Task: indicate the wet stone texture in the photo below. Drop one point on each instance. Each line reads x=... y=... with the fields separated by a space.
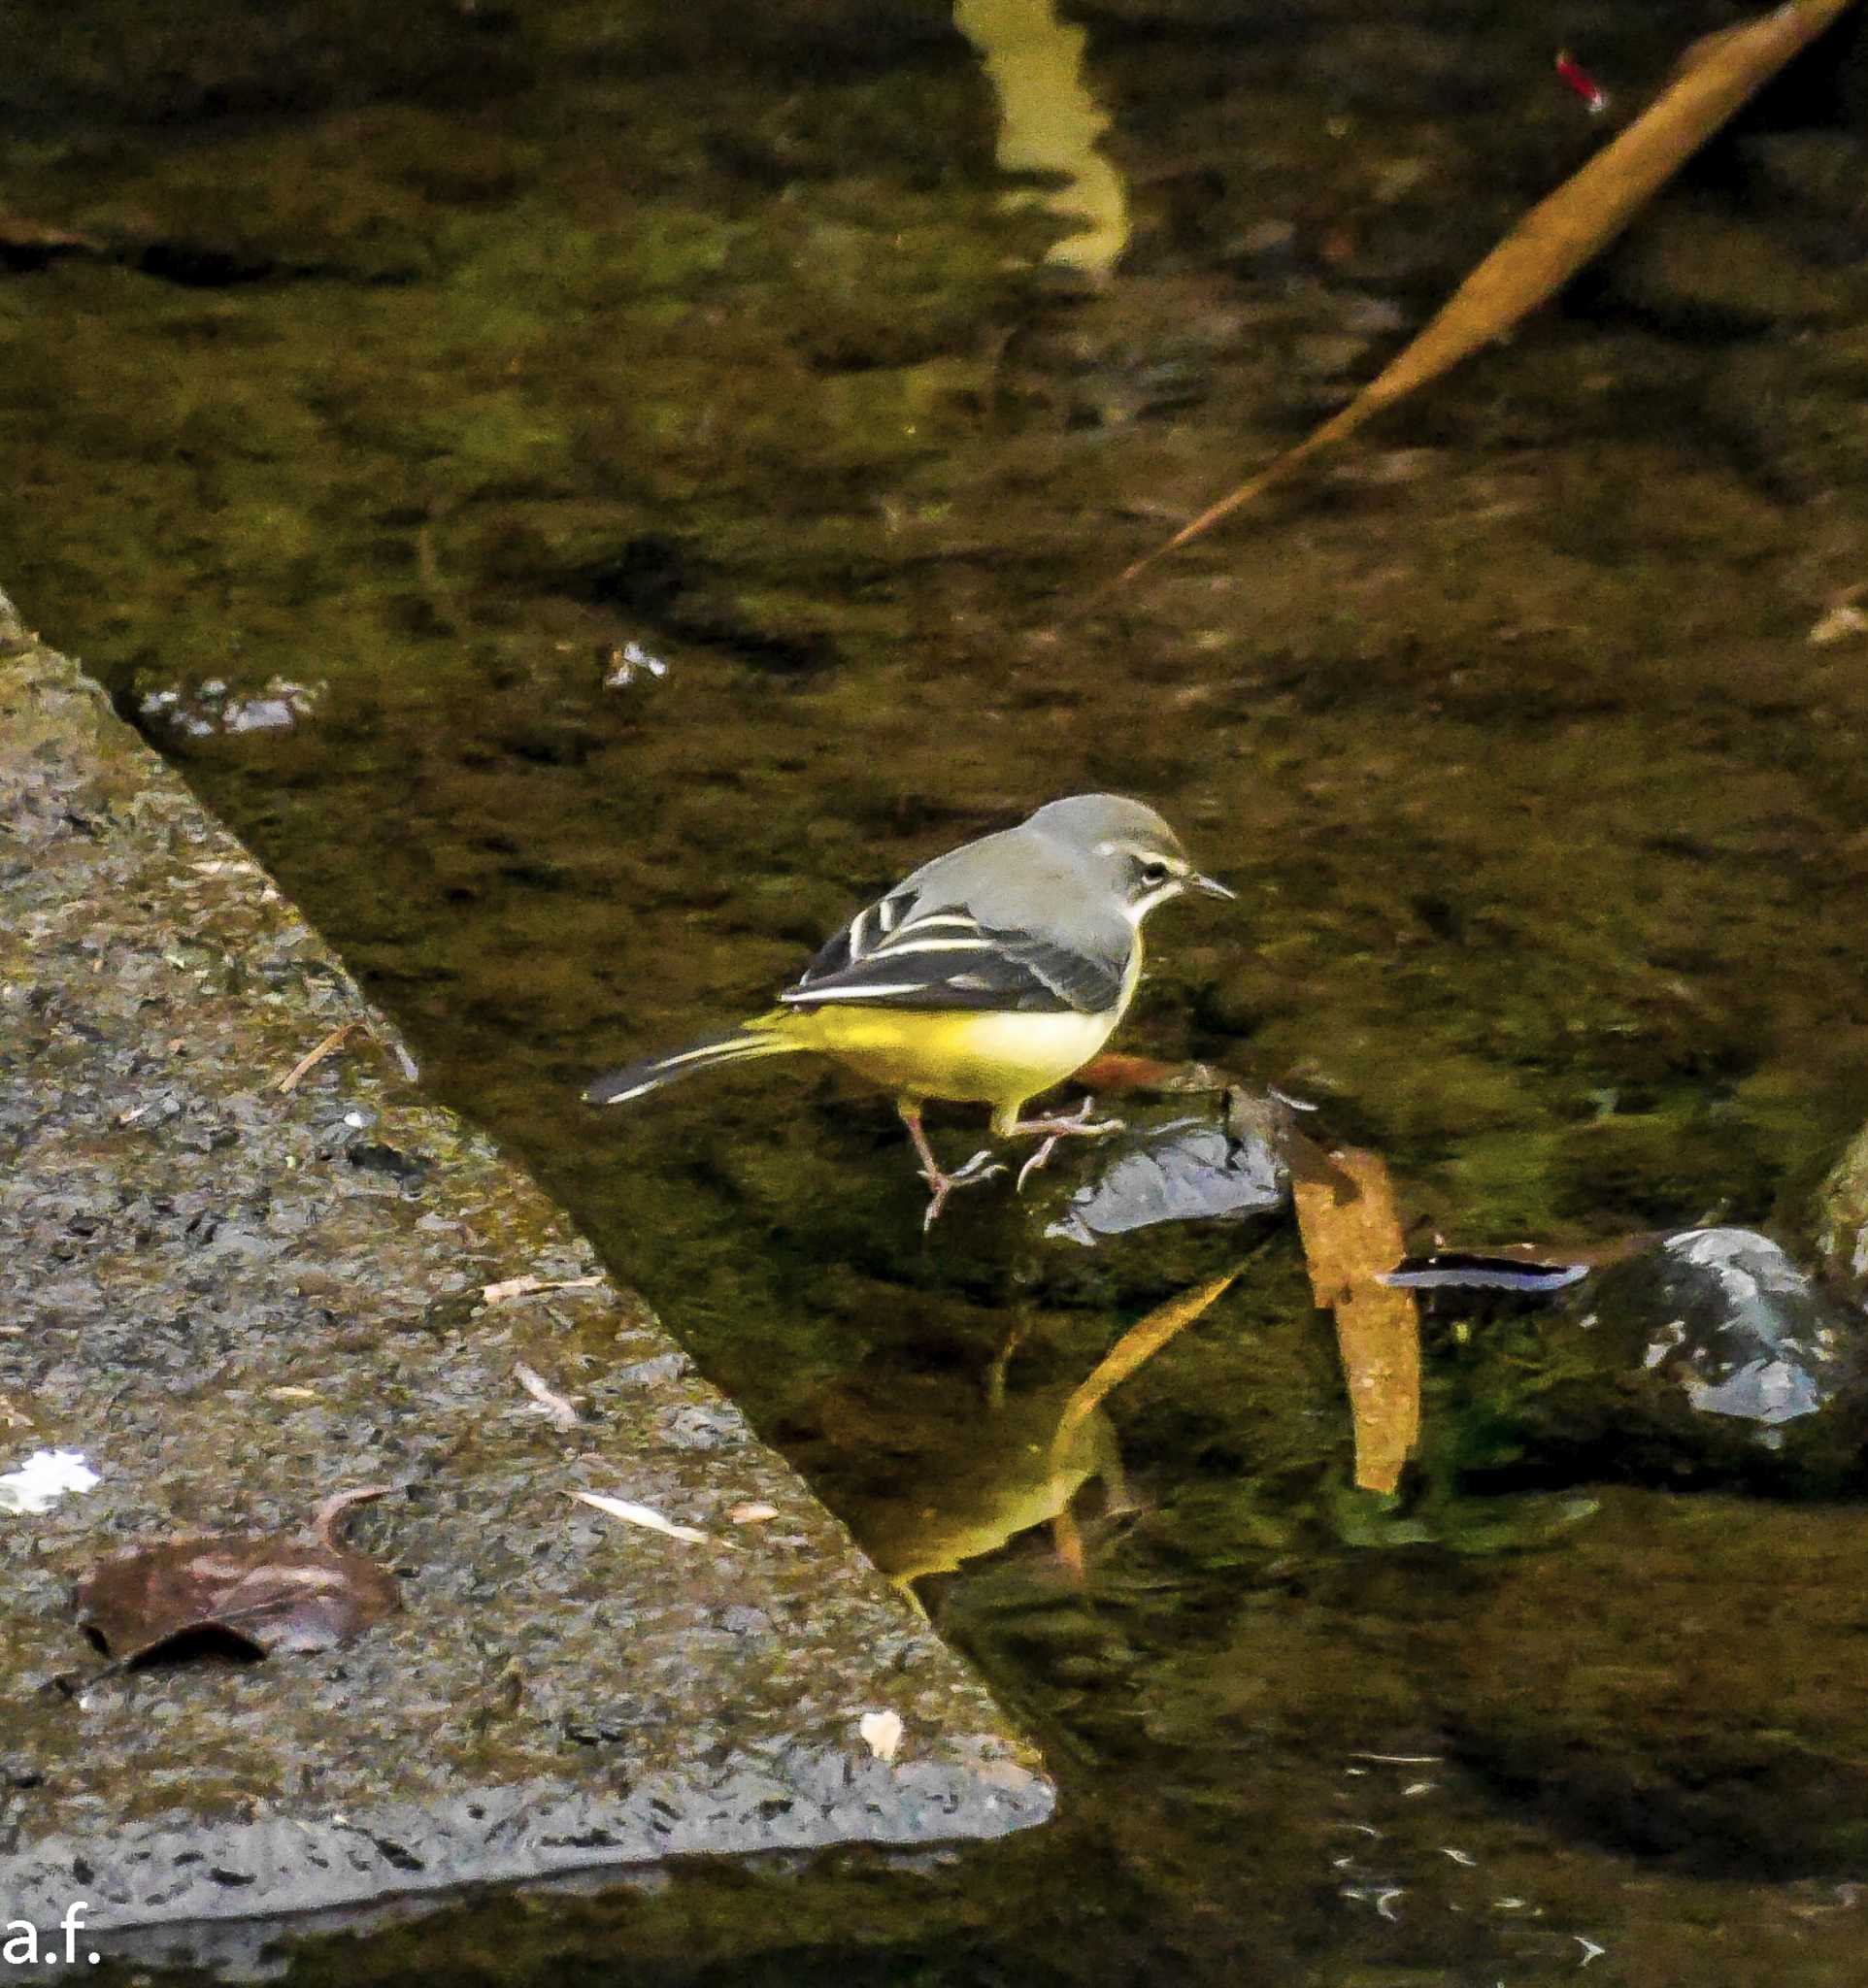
x=235 y=1301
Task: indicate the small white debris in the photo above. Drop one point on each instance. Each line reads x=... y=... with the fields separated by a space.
x=643 y=1515
x=1843 y=621
x=530 y=1287
x=751 y=1514
x=1590 y=1952
x=881 y=1734
x=627 y=663
x=546 y=1400
x=1461 y=1857
x=44 y=1478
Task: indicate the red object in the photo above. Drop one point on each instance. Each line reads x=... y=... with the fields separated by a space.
x=1572 y=73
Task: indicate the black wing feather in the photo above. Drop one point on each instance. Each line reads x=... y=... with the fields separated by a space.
x=899 y=954
x=866 y=930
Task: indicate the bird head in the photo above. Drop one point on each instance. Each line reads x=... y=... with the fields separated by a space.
x=1130 y=845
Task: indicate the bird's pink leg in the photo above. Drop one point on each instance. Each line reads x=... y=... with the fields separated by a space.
x=1076 y=1124
x=981 y=1167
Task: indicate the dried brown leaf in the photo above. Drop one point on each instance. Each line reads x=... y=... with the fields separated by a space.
x=1562 y=233
x=271 y=1591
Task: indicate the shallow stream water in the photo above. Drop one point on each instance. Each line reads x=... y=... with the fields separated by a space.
x=437 y=375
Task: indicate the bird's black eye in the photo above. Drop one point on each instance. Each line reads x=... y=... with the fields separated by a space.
x=1154 y=875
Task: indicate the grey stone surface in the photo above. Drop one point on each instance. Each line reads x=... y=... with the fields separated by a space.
x=235 y=1301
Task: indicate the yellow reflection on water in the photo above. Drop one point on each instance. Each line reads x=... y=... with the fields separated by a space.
x=1050 y=123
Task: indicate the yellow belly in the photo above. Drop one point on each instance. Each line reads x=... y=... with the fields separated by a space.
x=996 y=1059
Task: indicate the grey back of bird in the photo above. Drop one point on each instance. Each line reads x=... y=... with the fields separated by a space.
x=1055 y=888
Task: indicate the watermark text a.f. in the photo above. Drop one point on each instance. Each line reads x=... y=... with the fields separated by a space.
x=21 y=1947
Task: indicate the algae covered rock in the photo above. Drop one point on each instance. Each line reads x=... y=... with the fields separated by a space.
x=1842 y=1215
x=1708 y=1358
x=1734 y=1323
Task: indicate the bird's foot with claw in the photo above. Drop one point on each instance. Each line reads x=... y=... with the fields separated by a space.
x=1076 y=1124
x=981 y=1167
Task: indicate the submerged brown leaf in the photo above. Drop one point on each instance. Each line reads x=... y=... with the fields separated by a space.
x=1115 y=1072
x=1350 y=1239
x=1562 y=233
x=269 y=1591
x=22 y=234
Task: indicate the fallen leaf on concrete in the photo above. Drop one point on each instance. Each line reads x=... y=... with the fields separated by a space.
x=1140 y=1344
x=270 y=1592
x=530 y=1287
x=643 y=1515
x=1350 y=1241
x=1562 y=233
x=881 y=1734
x=561 y=1412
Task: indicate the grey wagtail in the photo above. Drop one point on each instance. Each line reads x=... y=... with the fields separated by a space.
x=989 y=974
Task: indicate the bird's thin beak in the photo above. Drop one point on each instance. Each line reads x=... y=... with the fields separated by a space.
x=1212 y=889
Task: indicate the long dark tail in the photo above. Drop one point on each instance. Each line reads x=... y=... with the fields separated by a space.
x=635 y=1079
